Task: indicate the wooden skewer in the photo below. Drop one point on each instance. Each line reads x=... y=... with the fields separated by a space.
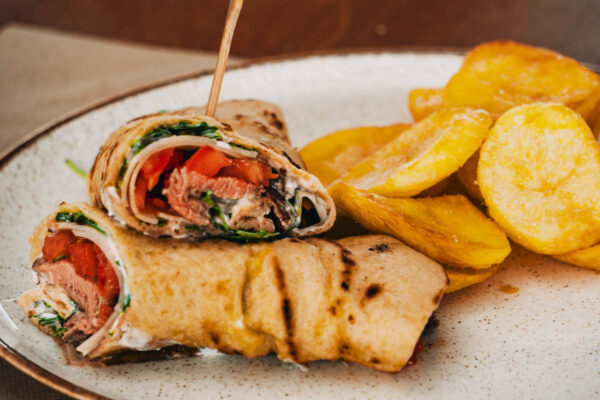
x=235 y=6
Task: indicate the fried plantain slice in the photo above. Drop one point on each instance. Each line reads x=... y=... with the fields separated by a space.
x=448 y=229
x=497 y=76
x=331 y=156
x=424 y=102
x=467 y=175
x=586 y=258
x=423 y=155
x=539 y=173
x=461 y=278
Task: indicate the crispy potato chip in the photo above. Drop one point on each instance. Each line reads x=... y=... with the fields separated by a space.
x=424 y=102
x=448 y=229
x=497 y=76
x=423 y=155
x=331 y=156
x=460 y=278
x=586 y=258
x=539 y=173
x=467 y=175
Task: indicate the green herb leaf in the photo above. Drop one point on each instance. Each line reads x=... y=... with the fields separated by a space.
x=181 y=128
x=61 y=257
x=51 y=319
x=78 y=170
x=74 y=306
x=240 y=146
x=161 y=222
x=122 y=171
x=247 y=235
x=223 y=224
x=126 y=303
x=78 y=218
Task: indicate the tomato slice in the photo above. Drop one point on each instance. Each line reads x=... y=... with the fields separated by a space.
x=251 y=171
x=155 y=165
x=82 y=254
x=141 y=188
x=55 y=245
x=108 y=283
x=207 y=161
x=176 y=160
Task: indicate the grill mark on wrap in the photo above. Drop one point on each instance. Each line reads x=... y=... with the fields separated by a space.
x=286 y=309
x=349 y=264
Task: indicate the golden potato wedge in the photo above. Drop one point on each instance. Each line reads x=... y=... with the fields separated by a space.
x=467 y=175
x=424 y=102
x=331 y=156
x=586 y=258
x=438 y=189
x=423 y=155
x=593 y=121
x=460 y=278
x=497 y=76
x=539 y=173
x=448 y=229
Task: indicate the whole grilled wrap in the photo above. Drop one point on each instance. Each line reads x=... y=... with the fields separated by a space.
x=186 y=175
x=364 y=299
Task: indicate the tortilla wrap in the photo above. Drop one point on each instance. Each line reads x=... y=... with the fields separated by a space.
x=293 y=203
x=364 y=299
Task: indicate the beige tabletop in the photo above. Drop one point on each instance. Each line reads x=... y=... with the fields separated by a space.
x=46 y=74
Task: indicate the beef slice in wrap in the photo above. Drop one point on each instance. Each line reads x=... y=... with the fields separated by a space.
x=364 y=299
x=185 y=175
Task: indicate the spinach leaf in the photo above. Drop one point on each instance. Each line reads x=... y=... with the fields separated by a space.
x=181 y=128
x=78 y=218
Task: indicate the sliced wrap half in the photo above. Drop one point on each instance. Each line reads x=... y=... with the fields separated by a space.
x=364 y=299
x=186 y=175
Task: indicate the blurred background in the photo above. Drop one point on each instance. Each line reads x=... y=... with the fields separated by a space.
x=57 y=56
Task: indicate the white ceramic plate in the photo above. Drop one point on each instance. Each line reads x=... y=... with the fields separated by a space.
x=542 y=342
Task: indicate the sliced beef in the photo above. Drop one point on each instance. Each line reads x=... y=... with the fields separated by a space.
x=84 y=291
x=251 y=207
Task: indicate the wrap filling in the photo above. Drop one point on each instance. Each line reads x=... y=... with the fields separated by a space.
x=78 y=291
x=192 y=184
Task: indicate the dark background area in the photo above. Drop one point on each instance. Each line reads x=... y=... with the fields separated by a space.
x=268 y=27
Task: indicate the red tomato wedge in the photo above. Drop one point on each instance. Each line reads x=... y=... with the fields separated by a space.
x=250 y=171
x=141 y=188
x=83 y=256
x=55 y=245
x=108 y=283
x=155 y=165
x=176 y=160
x=207 y=161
